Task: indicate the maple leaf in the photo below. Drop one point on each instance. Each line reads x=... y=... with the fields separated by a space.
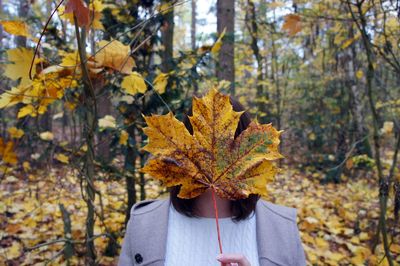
x=11 y=97
x=212 y=158
x=20 y=59
x=89 y=16
x=96 y=8
x=15 y=27
x=160 y=82
x=292 y=24
x=80 y=10
x=134 y=83
x=115 y=55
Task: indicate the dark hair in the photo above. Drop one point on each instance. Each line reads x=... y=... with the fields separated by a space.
x=240 y=208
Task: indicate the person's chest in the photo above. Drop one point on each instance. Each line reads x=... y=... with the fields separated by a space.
x=194 y=241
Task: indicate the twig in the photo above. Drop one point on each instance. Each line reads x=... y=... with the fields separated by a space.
x=348 y=154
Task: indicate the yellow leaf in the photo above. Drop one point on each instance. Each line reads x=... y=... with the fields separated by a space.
x=7 y=152
x=160 y=83
x=84 y=148
x=359 y=74
x=15 y=132
x=70 y=105
x=26 y=165
x=217 y=46
x=47 y=135
x=115 y=55
x=12 y=97
x=62 y=158
x=13 y=252
x=387 y=127
x=107 y=121
x=212 y=158
x=134 y=83
x=70 y=60
x=348 y=42
x=395 y=248
x=123 y=138
x=20 y=60
x=96 y=8
x=15 y=27
x=27 y=110
x=364 y=236
x=321 y=243
x=165 y=8
x=292 y=24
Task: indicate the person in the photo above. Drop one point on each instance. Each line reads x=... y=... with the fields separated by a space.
x=175 y=231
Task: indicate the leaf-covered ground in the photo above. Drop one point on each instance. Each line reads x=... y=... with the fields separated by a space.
x=337 y=221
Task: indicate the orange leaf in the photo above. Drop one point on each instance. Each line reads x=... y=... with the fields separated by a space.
x=80 y=10
x=292 y=24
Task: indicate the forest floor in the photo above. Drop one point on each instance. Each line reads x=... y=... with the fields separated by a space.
x=337 y=221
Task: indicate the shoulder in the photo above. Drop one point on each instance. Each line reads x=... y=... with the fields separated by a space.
x=278 y=211
x=278 y=231
x=147 y=206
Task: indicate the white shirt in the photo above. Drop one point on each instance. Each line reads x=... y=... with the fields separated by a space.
x=194 y=241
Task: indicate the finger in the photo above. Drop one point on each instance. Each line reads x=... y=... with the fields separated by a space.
x=233 y=257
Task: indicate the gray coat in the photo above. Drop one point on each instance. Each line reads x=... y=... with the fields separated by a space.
x=278 y=238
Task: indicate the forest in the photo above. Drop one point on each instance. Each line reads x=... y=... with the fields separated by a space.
x=79 y=80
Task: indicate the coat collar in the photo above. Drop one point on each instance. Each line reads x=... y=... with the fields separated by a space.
x=269 y=248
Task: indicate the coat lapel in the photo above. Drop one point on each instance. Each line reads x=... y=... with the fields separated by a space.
x=273 y=237
x=153 y=232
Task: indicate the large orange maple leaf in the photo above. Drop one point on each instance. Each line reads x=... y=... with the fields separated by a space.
x=212 y=157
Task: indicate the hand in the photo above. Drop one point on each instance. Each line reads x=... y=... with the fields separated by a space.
x=233 y=259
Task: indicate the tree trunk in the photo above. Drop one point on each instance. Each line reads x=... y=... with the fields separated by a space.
x=130 y=166
x=225 y=69
x=356 y=105
x=193 y=25
x=252 y=27
x=167 y=39
x=384 y=181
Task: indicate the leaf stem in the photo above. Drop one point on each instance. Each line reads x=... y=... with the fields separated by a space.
x=216 y=221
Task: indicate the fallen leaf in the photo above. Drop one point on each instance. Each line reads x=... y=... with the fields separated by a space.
x=62 y=158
